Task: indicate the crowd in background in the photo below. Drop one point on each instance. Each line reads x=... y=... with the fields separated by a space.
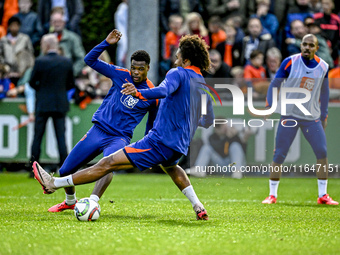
x=21 y=31
x=248 y=39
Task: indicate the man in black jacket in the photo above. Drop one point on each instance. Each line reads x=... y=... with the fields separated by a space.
x=52 y=77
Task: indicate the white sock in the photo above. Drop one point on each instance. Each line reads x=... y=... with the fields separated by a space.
x=273 y=186
x=322 y=187
x=62 y=182
x=191 y=195
x=95 y=198
x=71 y=199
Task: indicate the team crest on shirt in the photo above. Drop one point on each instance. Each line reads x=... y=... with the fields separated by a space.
x=129 y=101
x=307 y=83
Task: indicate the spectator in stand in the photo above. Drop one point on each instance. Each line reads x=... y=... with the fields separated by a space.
x=273 y=62
x=30 y=23
x=237 y=73
x=10 y=8
x=216 y=33
x=223 y=145
x=315 y=6
x=258 y=39
x=73 y=11
x=255 y=74
x=229 y=49
x=194 y=25
x=218 y=69
x=121 y=22
x=337 y=7
x=268 y=20
x=237 y=23
x=324 y=50
x=277 y=7
x=171 y=42
x=180 y=7
x=226 y=9
x=69 y=41
x=5 y=82
x=300 y=11
x=280 y=9
x=91 y=84
x=298 y=30
x=18 y=52
x=330 y=26
x=172 y=37
x=334 y=84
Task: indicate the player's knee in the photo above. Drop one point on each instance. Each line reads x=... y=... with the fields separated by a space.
x=321 y=152
x=279 y=156
x=63 y=172
x=111 y=163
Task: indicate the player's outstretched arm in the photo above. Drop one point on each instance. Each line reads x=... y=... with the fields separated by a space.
x=168 y=86
x=91 y=59
x=113 y=37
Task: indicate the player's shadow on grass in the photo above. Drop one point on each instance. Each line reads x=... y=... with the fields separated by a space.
x=129 y=217
x=306 y=205
x=191 y=223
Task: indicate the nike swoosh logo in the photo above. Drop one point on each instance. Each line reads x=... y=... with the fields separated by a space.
x=308 y=72
x=68 y=182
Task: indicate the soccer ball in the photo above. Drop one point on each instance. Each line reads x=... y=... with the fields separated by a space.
x=87 y=209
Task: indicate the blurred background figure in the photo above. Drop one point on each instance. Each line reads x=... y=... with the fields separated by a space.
x=324 y=50
x=237 y=73
x=298 y=31
x=268 y=20
x=218 y=69
x=230 y=49
x=172 y=37
x=5 y=82
x=10 y=8
x=216 y=32
x=258 y=39
x=121 y=22
x=273 y=62
x=18 y=52
x=52 y=77
x=300 y=11
x=91 y=84
x=194 y=25
x=330 y=26
x=227 y=8
x=69 y=41
x=170 y=45
x=179 y=7
x=73 y=11
x=255 y=75
x=334 y=84
x=315 y=6
x=30 y=22
x=223 y=145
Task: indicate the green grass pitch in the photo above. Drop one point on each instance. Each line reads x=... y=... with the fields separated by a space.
x=149 y=215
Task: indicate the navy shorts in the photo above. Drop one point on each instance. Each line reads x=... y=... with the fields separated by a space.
x=147 y=153
x=312 y=130
x=94 y=142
